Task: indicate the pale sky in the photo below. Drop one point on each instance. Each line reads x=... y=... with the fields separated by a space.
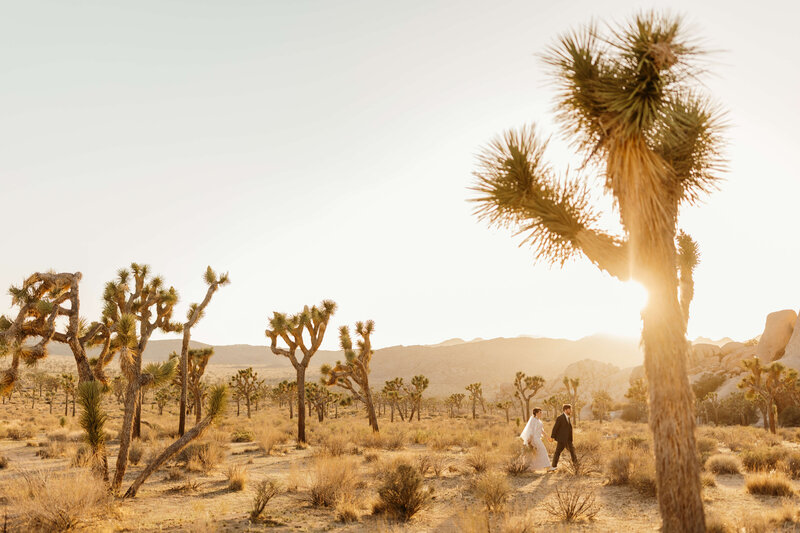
x=324 y=150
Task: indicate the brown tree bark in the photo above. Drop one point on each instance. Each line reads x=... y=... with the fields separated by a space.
x=301 y=402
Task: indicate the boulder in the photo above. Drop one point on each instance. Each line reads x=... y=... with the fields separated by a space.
x=777 y=332
x=791 y=357
x=699 y=353
x=729 y=387
x=732 y=363
x=730 y=347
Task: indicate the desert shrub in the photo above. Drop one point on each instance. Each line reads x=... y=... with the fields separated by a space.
x=723 y=464
x=791 y=464
x=19 y=432
x=717 y=524
x=242 y=435
x=335 y=445
x=572 y=502
x=643 y=478
x=423 y=463
x=587 y=451
x=736 y=409
x=201 y=456
x=762 y=458
x=478 y=460
x=3 y=462
x=82 y=457
x=493 y=490
x=190 y=486
x=48 y=501
x=769 y=484
x=53 y=449
x=402 y=493
x=268 y=438
x=708 y=480
x=330 y=479
x=619 y=467
x=265 y=490
x=636 y=442
x=394 y=441
x=707 y=384
x=517 y=463
x=371 y=457
x=634 y=413
x=237 y=477
x=347 y=509
x=790 y=417
x=439 y=464
x=135 y=452
x=706 y=446
x=173 y=474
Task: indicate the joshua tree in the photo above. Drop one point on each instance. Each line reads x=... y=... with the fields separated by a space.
x=454 y=401
x=525 y=388
x=196 y=361
x=476 y=395
x=572 y=391
x=287 y=391
x=162 y=397
x=353 y=374
x=194 y=314
x=216 y=408
x=627 y=101
x=601 y=404
x=136 y=298
x=68 y=386
x=414 y=393
x=245 y=383
x=392 y=390
x=291 y=329
x=319 y=397
x=764 y=384
x=505 y=406
x=637 y=396
x=93 y=421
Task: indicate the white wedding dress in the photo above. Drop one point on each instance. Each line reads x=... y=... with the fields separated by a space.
x=532 y=435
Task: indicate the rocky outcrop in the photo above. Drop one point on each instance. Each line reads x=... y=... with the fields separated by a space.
x=791 y=357
x=777 y=332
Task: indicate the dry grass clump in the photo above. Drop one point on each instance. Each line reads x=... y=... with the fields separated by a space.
x=723 y=464
x=717 y=524
x=201 y=456
x=643 y=477
x=265 y=490
x=493 y=490
x=330 y=479
x=394 y=440
x=347 y=509
x=762 y=458
x=707 y=446
x=707 y=480
x=439 y=464
x=136 y=452
x=478 y=460
x=53 y=449
x=572 y=502
x=20 y=432
x=268 y=438
x=190 y=486
x=619 y=467
x=402 y=494
x=588 y=453
x=769 y=484
x=237 y=477
x=3 y=462
x=242 y=435
x=334 y=445
x=48 y=501
x=791 y=464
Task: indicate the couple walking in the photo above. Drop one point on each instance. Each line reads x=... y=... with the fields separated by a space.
x=562 y=433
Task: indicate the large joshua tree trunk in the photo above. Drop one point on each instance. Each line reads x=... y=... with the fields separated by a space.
x=373 y=420
x=126 y=433
x=301 y=403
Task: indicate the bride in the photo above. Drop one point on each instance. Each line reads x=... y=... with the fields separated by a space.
x=532 y=436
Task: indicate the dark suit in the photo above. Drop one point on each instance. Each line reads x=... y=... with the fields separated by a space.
x=562 y=433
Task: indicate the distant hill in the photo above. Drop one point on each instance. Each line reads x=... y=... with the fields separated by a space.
x=449 y=366
x=705 y=340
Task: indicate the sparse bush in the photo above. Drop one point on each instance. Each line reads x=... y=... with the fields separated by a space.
x=439 y=463
x=619 y=467
x=201 y=456
x=335 y=445
x=190 y=486
x=46 y=501
x=478 y=460
x=347 y=509
x=643 y=478
x=791 y=464
x=587 y=451
x=723 y=464
x=402 y=494
x=769 y=484
x=572 y=502
x=706 y=446
x=265 y=490
x=423 y=463
x=493 y=490
x=762 y=458
x=331 y=478
x=20 y=432
x=717 y=524
x=395 y=441
x=708 y=480
x=3 y=462
x=242 y=435
x=135 y=452
x=518 y=463
x=268 y=438
x=237 y=477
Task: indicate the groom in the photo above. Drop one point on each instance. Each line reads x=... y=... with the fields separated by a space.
x=562 y=434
